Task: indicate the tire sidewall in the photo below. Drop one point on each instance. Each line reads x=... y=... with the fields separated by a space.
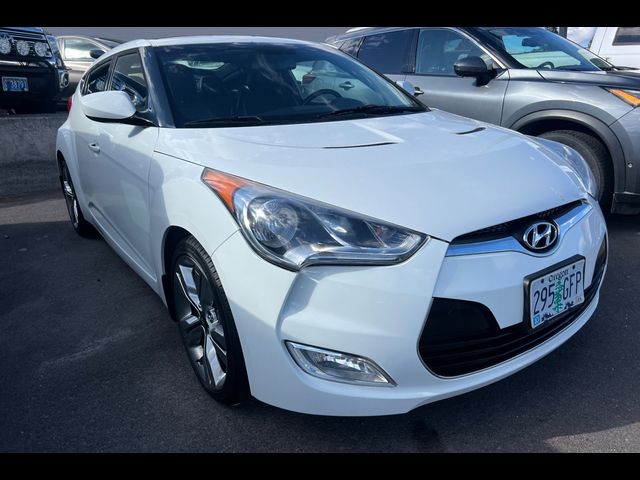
x=235 y=387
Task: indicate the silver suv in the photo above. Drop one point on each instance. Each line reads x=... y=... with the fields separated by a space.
x=524 y=78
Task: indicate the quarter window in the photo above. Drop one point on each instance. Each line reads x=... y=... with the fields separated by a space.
x=78 y=49
x=627 y=36
x=97 y=79
x=439 y=49
x=387 y=52
x=128 y=77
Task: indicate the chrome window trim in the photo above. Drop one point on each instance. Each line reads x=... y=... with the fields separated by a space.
x=511 y=244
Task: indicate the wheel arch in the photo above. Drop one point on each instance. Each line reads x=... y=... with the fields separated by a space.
x=548 y=120
x=172 y=237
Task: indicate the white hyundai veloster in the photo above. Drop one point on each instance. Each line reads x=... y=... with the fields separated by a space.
x=324 y=241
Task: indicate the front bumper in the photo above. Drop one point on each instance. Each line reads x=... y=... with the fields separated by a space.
x=45 y=82
x=379 y=313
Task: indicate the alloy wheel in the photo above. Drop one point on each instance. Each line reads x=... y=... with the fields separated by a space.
x=200 y=323
x=70 y=197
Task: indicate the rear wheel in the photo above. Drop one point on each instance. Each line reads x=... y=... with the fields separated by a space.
x=597 y=157
x=206 y=324
x=80 y=225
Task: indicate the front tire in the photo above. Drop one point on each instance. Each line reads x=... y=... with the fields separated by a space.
x=597 y=157
x=206 y=324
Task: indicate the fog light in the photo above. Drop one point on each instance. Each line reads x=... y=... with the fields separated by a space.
x=337 y=366
x=41 y=49
x=22 y=47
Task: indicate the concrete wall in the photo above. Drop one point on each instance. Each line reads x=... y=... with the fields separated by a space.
x=27 y=153
x=314 y=34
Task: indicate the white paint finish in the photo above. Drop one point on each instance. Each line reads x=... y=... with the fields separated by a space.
x=107 y=105
x=430 y=178
x=501 y=274
x=623 y=55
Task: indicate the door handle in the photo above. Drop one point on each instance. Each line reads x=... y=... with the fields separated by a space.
x=417 y=91
x=94 y=147
x=346 y=85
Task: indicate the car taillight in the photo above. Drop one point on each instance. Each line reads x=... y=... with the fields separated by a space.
x=308 y=78
x=69 y=103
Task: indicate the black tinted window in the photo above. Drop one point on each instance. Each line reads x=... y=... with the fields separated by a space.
x=627 y=36
x=351 y=46
x=129 y=77
x=387 y=52
x=97 y=79
x=222 y=85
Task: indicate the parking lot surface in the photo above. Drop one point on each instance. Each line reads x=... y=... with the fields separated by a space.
x=90 y=361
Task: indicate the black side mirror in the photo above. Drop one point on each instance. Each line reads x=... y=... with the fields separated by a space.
x=476 y=67
x=96 y=53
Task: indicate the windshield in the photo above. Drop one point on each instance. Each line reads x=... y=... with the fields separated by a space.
x=239 y=84
x=539 y=48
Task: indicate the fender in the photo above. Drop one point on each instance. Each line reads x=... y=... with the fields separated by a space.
x=598 y=127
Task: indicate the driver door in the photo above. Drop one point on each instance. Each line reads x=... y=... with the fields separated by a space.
x=437 y=51
x=120 y=169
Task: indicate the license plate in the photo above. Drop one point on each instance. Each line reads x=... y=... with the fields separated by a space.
x=15 y=84
x=553 y=292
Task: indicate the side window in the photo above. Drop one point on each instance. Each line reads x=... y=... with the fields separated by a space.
x=96 y=80
x=627 y=36
x=128 y=77
x=351 y=46
x=438 y=49
x=387 y=52
x=78 y=49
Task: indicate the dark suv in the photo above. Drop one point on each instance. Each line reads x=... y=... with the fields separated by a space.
x=32 y=72
x=524 y=78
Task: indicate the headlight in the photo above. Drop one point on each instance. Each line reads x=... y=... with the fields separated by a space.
x=574 y=165
x=294 y=232
x=41 y=49
x=22 y=47
x=632 y=97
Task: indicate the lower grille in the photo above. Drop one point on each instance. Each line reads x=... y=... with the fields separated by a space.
x=463 y=337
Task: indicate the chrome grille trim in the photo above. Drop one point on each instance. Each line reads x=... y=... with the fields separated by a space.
x=510 y=244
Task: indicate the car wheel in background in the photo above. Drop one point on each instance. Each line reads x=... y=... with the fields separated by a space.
x=80 y=225
x=596 y=155
x=206 y=324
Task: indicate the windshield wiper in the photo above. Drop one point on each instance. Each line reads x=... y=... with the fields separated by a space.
x=372 y=109
x=231 y=121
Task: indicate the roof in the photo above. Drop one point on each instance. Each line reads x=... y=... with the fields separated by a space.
x=193 y=40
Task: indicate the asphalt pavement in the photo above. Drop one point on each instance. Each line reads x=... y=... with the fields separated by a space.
x=91 y=362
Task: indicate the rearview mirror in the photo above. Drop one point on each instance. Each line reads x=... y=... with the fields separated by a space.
x=96 y=53
x=475 y=67
x=108 y=106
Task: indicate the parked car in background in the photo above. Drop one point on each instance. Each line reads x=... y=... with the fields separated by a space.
x=617 y=45
x=318 y=251
x=32 y=72
x=526 y=79
x=79 y=52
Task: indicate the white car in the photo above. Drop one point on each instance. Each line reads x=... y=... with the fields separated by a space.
x=324 y=254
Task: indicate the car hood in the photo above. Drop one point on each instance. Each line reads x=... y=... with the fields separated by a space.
x=616 y=79
x=433 y=172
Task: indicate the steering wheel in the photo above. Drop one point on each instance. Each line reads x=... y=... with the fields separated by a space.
x=319 y=93
x=546 y=65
